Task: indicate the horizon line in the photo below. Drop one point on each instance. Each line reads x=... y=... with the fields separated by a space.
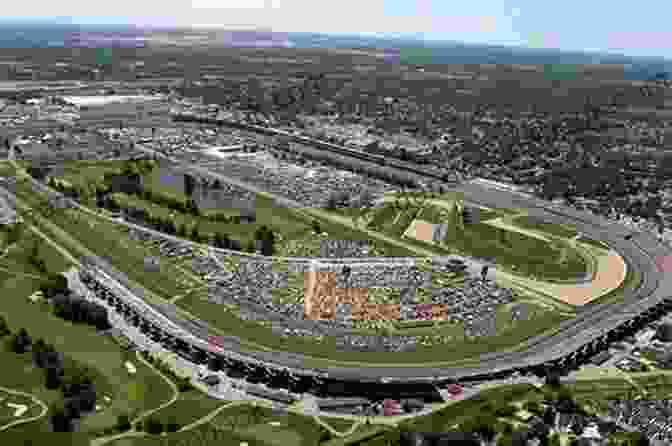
x=408 y=37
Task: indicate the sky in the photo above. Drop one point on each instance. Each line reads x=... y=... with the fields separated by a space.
x=574 y=25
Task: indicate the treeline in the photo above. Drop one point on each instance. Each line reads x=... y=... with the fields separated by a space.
x=78 y=310
x=76 y=382
x=264 y=238
x=168 y=226
x=73 y=308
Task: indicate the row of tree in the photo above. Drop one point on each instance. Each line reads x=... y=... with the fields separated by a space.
x=168 y=226
x=78 y=310
x=265 y=240
x=76 y=383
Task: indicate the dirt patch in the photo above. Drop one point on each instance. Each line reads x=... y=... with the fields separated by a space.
x=610 y=273
x=420 y=230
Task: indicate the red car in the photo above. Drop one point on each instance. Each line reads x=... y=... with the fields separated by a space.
x=392 y=408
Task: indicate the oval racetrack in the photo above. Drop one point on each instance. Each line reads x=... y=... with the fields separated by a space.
x=594 y=320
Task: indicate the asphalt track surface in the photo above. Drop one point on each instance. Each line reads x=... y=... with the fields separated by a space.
x=639 y=252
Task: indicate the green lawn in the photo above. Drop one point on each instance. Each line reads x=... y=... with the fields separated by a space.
x=383 y=216
x=252 y=423
x=190 y=406
x=534 y=224
x=339 y=424
x=203 y=435
x=434 y=214
x=19 y=255
x=511 y=250
x=482 y=405
x=6 y=169
x=82 y=344
x=294 y=229
x=134 y=393
x=295 y=237
x=529 y=256
x=111 y=241
x=405 y=219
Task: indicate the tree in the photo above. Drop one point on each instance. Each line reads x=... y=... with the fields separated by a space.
x=172 y=426
x=184 y=384
x=73 y=407
x=87 y=399
x=549 y=416
x=4 y=328
x=152 y=426
x=195 y=236
x=332 y=202
x=181 y=231
x=123 y=422
x=565 y=401
x=215 y=363
x=56 y=283
x=52 y=378
x=637 y=439
x=59 y=420
x=15 y=233
x=483 y=427
x=38 y=353
x=21 y=342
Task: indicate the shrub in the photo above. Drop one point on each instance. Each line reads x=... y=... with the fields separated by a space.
x=153 y=426
x=123 y=422
x=172 y=427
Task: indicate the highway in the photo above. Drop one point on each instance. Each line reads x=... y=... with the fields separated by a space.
x=594 y=321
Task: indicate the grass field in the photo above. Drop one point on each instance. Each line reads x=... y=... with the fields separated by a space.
x=518 y=252
x=338 y=424
x=203 y=435
x=18 y=257
x=111 y=241
x=86 y=173
x=82 y=344
x=189 y=407
x=294 y=229
x=482 y=405
x=447 y=419
x=253 y=424
x=534 y=224
x=78 y=342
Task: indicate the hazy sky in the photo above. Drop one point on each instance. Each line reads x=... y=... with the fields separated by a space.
x=638 y=29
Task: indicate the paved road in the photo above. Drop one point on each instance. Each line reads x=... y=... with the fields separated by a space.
x=639 y=253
